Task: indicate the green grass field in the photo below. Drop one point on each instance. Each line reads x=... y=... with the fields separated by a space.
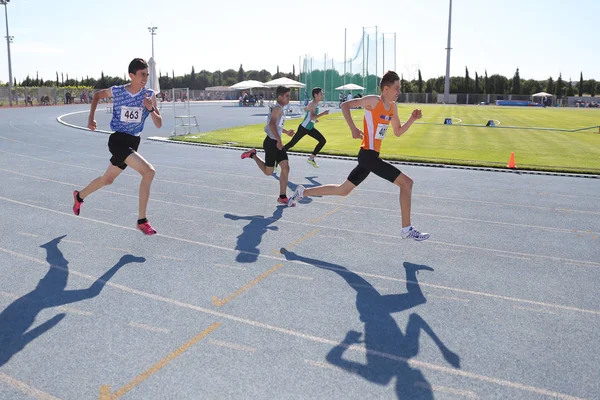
x=550 y=148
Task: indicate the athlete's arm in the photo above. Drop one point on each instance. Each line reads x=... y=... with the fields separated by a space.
x=156 y=117
x=275 y=113
x=101 y=94
x=362 y=102
x=311 y=109
x=399 y=129
x=321 y=114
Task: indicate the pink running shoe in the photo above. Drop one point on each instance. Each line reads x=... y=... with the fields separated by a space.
x=76 y=203
x=283 y=201
x=248 y=153
x=146 y=228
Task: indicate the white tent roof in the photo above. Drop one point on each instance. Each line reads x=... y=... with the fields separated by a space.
x=247 y=85
x=541 y=94
x=152 y=82
x=285 y=82
x=218 y=89
x=350 y=86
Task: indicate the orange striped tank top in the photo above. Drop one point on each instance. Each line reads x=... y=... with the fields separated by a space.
x=375 y=124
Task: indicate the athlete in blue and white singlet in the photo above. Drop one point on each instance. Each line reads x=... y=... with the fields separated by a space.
x=132 y=104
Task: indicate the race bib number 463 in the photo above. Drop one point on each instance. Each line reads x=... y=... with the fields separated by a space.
x=380 y=132
x=131 y=114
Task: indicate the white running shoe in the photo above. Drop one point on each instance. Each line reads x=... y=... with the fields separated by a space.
x=297 y=196
x=414 y=234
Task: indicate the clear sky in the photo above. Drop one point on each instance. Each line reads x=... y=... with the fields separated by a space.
x=84 y=37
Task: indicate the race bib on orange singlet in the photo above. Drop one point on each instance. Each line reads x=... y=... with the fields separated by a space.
x=381 y=131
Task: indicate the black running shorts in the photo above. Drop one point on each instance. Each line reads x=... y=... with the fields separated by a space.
x=121 y=145
x=272 y=153
x=369 y=161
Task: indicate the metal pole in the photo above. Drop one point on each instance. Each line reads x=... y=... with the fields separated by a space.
x=383 y=57
x=345 y=29
x=367 y=63
x=311 y=71
x=447 y=82
x=152 y=30
x=376 y=55
x=394 y=51
x=364 y=65
x=299 y=73
x=332 y=70
x=324 y=76
x=8 y=40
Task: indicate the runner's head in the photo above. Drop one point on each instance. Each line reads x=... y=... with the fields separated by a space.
x=283 y=95
x=317 y=94
x=390 y=86
x=138 y=72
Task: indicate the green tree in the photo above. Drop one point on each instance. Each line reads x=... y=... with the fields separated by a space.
x=550 y=85
x=229 y=77
x=264 y=75
x=486 y=84
x=570 y=91
x=192 y=83
x=253 y=75
x=467 y=83
x=559 y=86
x=498 y=84
x=429 y=86
x=420 y=83
x=516 y=83
x=580 y=86
x=241 y=74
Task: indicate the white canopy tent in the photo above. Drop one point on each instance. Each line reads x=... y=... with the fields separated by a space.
x=350 y=86
x=243 y=85
x=218 y=89
x=152 y=82
x=285 y=82
x=541 y=94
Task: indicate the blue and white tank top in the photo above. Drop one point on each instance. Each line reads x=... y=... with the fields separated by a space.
x=279 y=122
x=129 y=112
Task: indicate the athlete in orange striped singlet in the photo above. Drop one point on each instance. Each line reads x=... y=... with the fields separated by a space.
x=380 y=112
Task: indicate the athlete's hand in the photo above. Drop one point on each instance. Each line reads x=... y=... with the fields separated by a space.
x=326 y=112
x=92 y=125
x=279 y=145
x=316 y=120
x=148 y=103
x=290 y=133
x=357 y=133
x=416 y=114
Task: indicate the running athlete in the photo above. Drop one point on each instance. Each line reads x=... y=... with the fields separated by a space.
x=274 y=150
x=132 y=103
x=380 y=111
x=307 y=126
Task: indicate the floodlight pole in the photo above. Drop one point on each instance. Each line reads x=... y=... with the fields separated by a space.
x=8 y=42
x=152 y=30
x=447 y=81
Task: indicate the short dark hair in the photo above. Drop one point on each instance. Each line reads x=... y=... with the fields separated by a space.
x=281 y=90
x=388 y=79
x=137 y=64
x=316 y=91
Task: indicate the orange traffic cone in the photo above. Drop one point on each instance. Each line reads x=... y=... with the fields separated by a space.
x=511 y=161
